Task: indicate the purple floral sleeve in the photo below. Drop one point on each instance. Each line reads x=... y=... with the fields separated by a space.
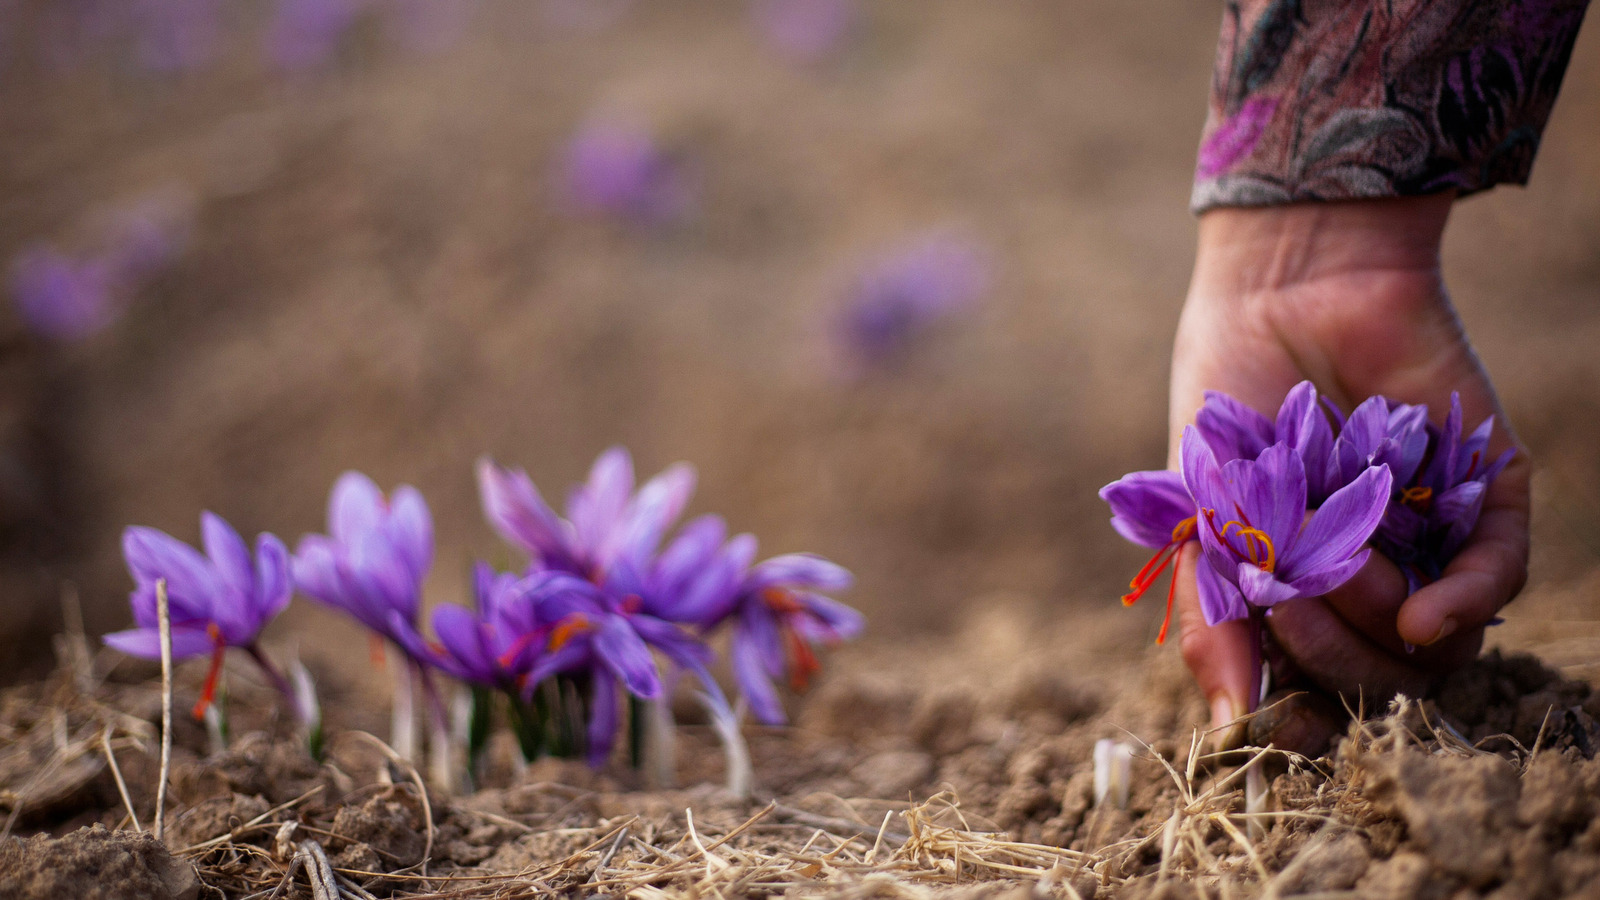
x=1346 y=99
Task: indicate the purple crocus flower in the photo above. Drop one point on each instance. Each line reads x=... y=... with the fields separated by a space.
x=607 y=523
x=220 y=600
x=805 y=31
x=614 y=167
x=1257 y=545
x=372 y=562
x=904 y=290
x=63 y=298
x=781 y=616
x=1436 y=506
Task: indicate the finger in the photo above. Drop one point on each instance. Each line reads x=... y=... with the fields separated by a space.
x=1370 y=603
x=1486 y=574
x=1220 y=656
x=1337 y=657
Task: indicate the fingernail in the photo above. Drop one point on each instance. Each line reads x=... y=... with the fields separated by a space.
x=1446 y=628
x=1222 y=711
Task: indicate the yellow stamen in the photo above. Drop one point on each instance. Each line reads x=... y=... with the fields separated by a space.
x=569 y=628
x=1258 y=545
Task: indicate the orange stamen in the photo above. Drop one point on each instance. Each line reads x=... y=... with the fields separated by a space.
x=1181 y=533
x=1418 y=498
x=208 y=692
x=781 y=601
x=1258 y=545
x=567 y=629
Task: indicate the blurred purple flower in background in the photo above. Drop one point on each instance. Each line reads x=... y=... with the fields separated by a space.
x=805 y=31
x=615 y=167
x=60 y=297
x=904 y=290
x=72 y=31
x=68 y=297
x=305 y=34
x=217 y=601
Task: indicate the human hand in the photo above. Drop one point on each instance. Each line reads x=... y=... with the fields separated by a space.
x=1350 y=296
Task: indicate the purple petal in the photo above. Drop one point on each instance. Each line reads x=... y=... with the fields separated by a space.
x=1304 y=427
x=410 y=529
x=1268 y=494
x=760 y=625
x=1457 y=509
x=682 y=648
x=1261 y=588
x=514 y=508
x=1220 y=601
x=749 y=671
x=713 y=594
x=1315 y=584
x=355 y=507
x=146 y=642
x=839 y=622
x=469 y=656
x=693 y=548
x=648 y=516
x=1147 y=506
x=192 y=582
x=1408 y=427
x=1232 y=429
x=574 y=655
x=622 y=651
x=804 y=570
x=314 y=568
x=229 y=555
x=1340 y=527
x=272 y=585
x=596 y=507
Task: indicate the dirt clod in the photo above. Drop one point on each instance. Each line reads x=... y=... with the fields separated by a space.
x=94 y=864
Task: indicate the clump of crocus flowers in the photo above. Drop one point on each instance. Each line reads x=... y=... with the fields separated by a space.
x=1286 y=508
x=605 y=618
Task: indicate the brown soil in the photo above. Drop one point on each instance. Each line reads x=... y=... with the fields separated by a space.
x=379 y=278
x=966 y=769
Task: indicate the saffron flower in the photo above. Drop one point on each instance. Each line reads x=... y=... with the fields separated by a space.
x=63 y=298
x=806 y=31
x=781 y=615
x=903 y=291
x=219 y=600
x=615 y=167
x=372 y=562
x=1435 y=509
x=1258 y=546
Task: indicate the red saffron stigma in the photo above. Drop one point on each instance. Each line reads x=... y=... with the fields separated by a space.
x=208 y=692
x=803 y=663
x=1182 y=533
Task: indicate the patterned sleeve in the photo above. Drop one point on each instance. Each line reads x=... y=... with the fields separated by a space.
x=1346 y=99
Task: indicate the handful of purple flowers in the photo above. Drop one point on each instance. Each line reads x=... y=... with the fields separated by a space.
x=583 y=627
x=1285 y=509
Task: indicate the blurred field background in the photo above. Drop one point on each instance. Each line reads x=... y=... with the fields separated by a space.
x=373 y=264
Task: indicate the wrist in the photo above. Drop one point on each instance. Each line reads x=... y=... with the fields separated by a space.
x=1252 y=250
